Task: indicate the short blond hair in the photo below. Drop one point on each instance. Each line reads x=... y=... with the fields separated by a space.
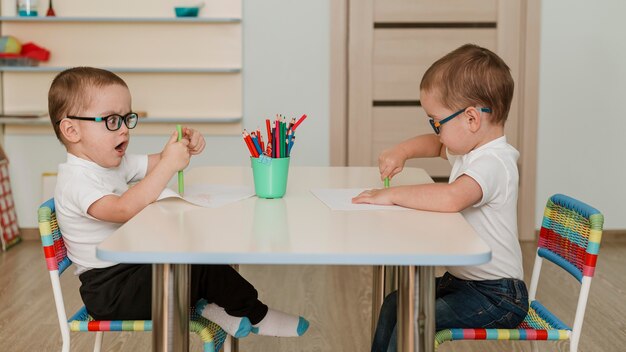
x=70 y=91
x=471 y=76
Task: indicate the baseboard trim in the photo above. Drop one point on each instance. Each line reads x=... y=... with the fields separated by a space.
x=29 y=234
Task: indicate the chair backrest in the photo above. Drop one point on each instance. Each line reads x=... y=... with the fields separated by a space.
x=51 y=238
x=570 y=235
x=56 y=260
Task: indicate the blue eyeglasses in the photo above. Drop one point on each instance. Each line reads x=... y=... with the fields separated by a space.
x=112 y=122
x=436 y=125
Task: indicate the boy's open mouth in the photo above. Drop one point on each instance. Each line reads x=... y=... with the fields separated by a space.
x=120 y=148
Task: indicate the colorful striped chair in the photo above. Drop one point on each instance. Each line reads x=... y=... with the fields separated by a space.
x=569 y=237
x=57 y=261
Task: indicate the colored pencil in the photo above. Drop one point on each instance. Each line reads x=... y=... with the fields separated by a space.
x=248 y=143
x=255 y=142
x=299 y=122
x=277 y=138
x=181 y=179
x=269 y=131
x=289 y=142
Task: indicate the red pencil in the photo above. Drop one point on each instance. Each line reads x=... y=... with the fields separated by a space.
x=250 y=144
x=269 y=131
x=299 y=122
x=277 y=138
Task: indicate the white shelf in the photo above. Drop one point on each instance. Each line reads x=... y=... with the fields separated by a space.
x=187 y=62
x=123 y=69
x=121 y=19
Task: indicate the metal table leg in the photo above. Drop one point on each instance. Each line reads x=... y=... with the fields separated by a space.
x=414 y=304
x=170 y=307
x=385 y=282
x=378 y=294
x=426 y=308
x=406 y=310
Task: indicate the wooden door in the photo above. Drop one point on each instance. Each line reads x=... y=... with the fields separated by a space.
x=390 y=44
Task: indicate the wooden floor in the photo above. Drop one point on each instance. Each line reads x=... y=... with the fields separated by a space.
x=335 y=299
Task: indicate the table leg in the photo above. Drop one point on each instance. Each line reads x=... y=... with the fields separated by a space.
x=170 y=307
x=426 y=288
x=385 y=281
x=378 y=294
x=406 y=309
x=420 y=304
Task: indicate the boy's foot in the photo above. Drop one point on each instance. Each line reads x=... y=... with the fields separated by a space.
x=279 y=324
x=235 y=326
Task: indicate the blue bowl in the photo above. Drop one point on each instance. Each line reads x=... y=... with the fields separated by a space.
x=186 y=11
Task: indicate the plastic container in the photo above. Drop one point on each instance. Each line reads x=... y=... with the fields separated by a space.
x=27 y=8
x=186 y=11
x=270 y=176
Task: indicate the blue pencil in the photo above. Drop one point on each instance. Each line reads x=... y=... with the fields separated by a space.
x=256 y=143
x=291 y=139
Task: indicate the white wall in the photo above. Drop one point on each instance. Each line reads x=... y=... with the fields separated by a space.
x=582 y=115
x=285 y=70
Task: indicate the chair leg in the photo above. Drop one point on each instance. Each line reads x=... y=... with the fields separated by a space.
x=98 y=345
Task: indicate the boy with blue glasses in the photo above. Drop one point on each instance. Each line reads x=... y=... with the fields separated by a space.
x=467 y=95
x=90 y=111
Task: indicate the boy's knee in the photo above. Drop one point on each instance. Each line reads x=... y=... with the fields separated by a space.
x=390 y=305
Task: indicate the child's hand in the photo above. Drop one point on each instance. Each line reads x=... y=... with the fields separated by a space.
x=391 y=162
x=176 y=153
x=374 y=196
x=196 y=140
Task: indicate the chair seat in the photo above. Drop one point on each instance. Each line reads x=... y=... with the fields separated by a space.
x=211 y=334
x=82 y=321
x=539 y=324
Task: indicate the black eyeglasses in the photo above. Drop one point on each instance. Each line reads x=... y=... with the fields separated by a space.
x=436 y=125
x=112 y=122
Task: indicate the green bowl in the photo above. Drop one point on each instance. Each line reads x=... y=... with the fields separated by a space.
x=186 y=11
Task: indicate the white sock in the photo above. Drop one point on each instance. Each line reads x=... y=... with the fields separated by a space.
x=235 y=326
x=279 y=324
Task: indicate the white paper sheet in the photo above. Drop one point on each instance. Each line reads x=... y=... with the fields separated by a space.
x=210 y=196
x=341 y=199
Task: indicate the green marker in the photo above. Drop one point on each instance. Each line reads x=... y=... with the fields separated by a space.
x=181 y=180
x=386 y=182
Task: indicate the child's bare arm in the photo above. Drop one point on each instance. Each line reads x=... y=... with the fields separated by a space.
x=462 y=193
x=113 y=208
x=391 y=161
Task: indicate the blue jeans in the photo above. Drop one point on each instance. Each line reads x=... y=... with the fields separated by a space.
x=500 y=304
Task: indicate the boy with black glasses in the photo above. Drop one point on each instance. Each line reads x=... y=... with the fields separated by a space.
x=467 y=95
x=90 y=110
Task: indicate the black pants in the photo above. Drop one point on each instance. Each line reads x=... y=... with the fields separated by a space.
x=124 y=291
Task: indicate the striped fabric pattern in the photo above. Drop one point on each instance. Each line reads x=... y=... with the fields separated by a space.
x=539 y=324
x=570 y=237
x=55 y=254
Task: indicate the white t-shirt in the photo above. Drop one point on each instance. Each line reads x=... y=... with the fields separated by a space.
x=79 y=184
x=494 y=167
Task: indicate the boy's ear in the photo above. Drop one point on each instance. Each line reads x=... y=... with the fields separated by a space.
x=70 y=132
x=474 y=118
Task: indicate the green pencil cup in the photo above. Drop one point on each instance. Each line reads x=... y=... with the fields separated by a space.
x=270 y=176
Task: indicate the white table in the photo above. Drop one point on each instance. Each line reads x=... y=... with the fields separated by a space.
x=297 y=229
